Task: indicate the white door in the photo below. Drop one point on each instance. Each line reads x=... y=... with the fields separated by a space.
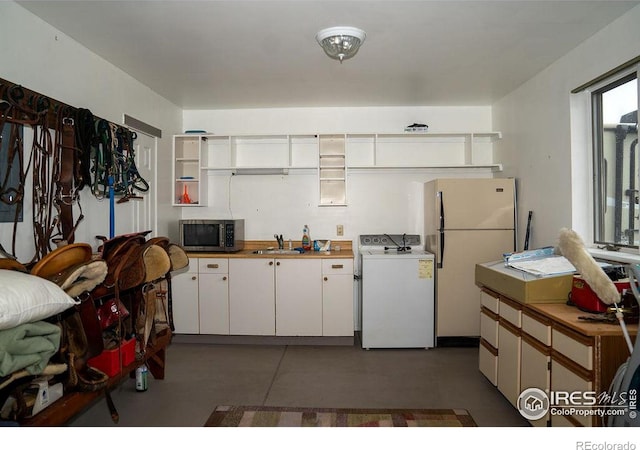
x=140 y=214
x=298 y=297
x=184 y=299
x=476 y=203
x=252 y=297
x=457 y=296
x=534 y=372
x=214 y=303
x=144 y=213
x=509 y=364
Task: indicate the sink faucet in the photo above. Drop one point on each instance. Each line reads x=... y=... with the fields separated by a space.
x=280 y=241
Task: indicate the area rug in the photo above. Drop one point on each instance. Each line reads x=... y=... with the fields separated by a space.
x=273 y=416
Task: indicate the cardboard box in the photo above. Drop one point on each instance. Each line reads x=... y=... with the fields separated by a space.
x=521 y=286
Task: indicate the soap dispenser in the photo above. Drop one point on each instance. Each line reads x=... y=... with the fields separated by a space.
x=306 y=240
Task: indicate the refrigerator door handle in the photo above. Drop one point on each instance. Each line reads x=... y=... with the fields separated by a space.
x=441 y=262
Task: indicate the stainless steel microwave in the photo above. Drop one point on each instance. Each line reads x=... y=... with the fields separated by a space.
x=210 y=235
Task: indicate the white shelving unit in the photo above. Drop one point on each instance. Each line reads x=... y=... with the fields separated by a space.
x=332 y=170
x=263 y=152
x=331 y=155
x=189 y=177
x=421 y=150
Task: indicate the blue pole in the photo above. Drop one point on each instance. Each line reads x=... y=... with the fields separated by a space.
x=112 y=215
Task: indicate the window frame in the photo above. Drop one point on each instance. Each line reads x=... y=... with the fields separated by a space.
x=597 y=160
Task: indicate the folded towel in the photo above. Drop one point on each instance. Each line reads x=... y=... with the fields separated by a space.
x=28 y=346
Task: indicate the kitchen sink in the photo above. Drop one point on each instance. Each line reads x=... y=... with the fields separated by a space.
x=276 y=252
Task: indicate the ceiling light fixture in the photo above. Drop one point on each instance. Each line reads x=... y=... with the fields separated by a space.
x=341 y=42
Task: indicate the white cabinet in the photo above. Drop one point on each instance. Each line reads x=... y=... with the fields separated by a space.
x=298 y=297
x=184 y=300
x=572 y=364
x=213 y=299
x=509 y=350
x=509 y=362
x=489 y=327
x=189 y=177
x=547 y=346
x=252 y=296
x=337 y=297
x=265 y=297
x=535 y=364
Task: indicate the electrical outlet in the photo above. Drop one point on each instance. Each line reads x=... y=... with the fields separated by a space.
x=340 y=230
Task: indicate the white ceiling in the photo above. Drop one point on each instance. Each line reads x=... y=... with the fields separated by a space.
x=255 y=54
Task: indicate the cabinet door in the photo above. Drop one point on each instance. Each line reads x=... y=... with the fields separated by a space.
x=337 y=297
x=509 y=362
x=535 y=372
x=298 y=297
x=565 y=379
x=184 y=294
x=252 y=297
x=214 y=303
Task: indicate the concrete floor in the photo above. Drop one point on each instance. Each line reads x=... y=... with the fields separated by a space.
x=200 y=376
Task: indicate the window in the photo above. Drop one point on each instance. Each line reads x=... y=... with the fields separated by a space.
x=616 y=161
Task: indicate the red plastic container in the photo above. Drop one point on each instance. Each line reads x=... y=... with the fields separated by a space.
x=109 y=360
x=584 y=298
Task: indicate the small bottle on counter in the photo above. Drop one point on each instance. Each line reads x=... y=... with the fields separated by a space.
x=306 y=240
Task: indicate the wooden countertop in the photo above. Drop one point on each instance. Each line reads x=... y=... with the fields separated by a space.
x=346 y=251
x=569 y=316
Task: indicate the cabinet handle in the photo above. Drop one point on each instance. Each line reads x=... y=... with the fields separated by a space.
x=271 y=263
x=278 y=263
x=326 y=278
x=224 y=278
x=212 y=266
x=194 y=278
x=337 y=266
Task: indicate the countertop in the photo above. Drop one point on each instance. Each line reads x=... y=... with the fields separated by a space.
x=569 y=316
x=346 y=251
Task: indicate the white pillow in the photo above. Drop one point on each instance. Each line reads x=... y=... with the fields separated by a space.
x=27 y=298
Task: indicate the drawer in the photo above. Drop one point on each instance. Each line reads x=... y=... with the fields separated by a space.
x=193 y=265
x=337 y=266
x=488 y=362
x=536 y=329
x=490 y=302
x=213 y=265
x=563 y=379
x=574 y=350
x=511 y=314
x=489 y=329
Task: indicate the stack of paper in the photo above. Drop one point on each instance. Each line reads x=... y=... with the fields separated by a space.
x=545 y=266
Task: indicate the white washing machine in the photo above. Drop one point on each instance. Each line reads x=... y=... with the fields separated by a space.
x=397 y=292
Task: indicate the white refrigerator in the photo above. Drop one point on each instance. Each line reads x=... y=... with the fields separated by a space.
x=467 y=221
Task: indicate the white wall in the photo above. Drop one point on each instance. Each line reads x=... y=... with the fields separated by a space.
x=40 y=58
x=537 y=148
x=379 y=201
